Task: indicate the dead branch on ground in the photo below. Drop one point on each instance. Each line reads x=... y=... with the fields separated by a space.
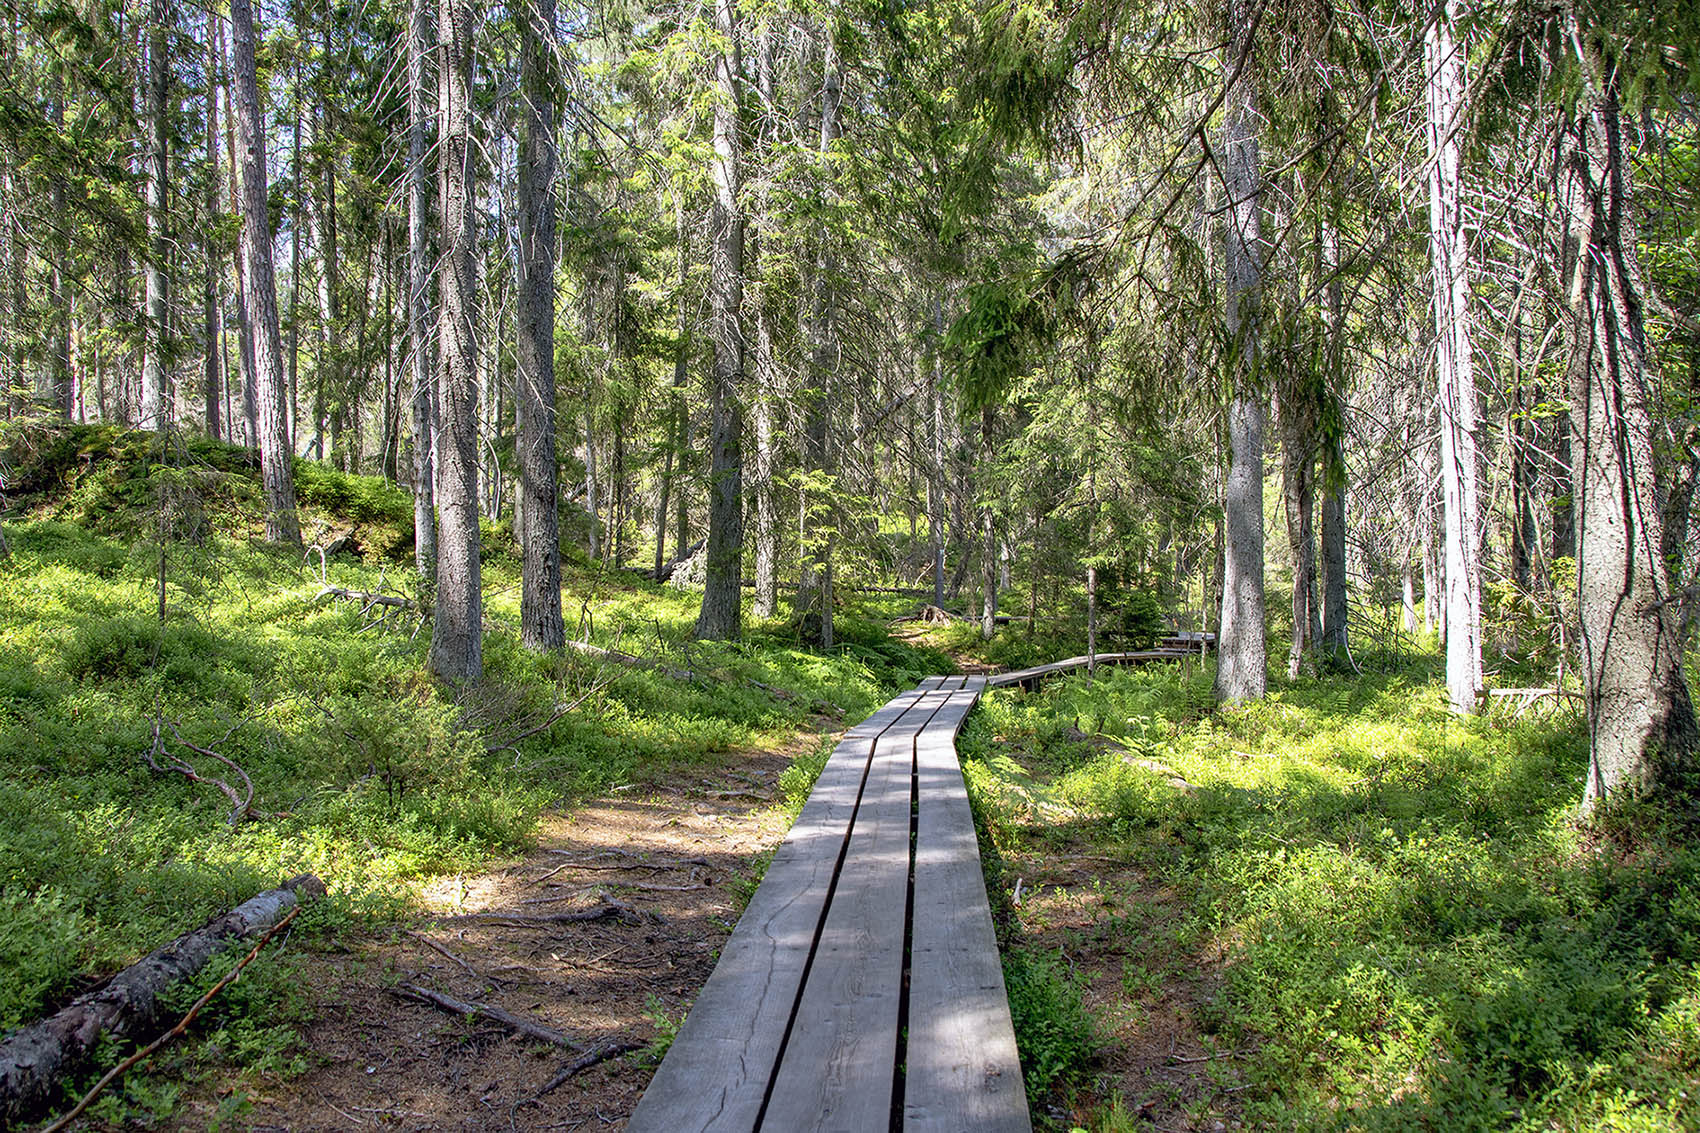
x=518 y=1024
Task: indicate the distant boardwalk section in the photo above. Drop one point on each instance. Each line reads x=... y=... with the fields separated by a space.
x=861 y=989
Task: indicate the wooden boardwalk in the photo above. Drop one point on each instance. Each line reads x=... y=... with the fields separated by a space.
x=862 y=988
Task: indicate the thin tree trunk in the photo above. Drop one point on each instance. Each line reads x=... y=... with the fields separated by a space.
x=681 y=376
x=244 y=316
x=721 y=615
x=1331 y=560
x=457 y=647
x=209 y=295
x=1455 y=374
x=937 y=472
x=989 y=542
x=1298 y=496
x=1242 y=649
x=541 y=625
x=1641 y=723
x=155 y=370
x=766 y=512
x=58 y=373
x=282 y=525
x=814 y=597
x=422 y=338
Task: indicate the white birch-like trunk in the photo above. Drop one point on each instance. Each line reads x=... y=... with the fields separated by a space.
x=1455 y=376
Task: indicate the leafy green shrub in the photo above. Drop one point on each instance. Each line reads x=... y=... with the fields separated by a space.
x=1053 y=1031
x=39 y=934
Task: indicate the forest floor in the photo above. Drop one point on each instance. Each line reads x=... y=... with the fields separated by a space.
x=681 y=855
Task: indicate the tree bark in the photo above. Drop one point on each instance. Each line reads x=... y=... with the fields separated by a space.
x=457 y=646
x=1641 y=723
x=1298 y=496
x=1455 y=377
x=1242 y=648
x=422 y=339
x=1331 y=561
x=541 y=625
x=35 y=1059
x=282 y=524
x=814 y=596
x=155 y=370
x=721 y=617
x=58 y=391
x=210 y=392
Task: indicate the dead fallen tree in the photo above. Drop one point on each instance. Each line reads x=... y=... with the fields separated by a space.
x=35 y=1060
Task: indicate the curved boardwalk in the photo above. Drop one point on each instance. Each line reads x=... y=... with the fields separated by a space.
x=861 y=989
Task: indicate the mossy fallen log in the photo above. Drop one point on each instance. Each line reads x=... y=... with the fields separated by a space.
x=35 y=1060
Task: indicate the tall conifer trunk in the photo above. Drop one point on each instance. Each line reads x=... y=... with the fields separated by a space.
x=541 y=625
x=282 y=525
x=421 y=336
x=155 y=371
x=457 y=646
x=1242 y=647
x=1641 y=722
x=814 y=597
x=1455 y=376
x=721 y=617
x=211 y=395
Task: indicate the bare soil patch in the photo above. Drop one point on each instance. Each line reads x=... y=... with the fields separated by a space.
x=668 y=862
x=1118 y=930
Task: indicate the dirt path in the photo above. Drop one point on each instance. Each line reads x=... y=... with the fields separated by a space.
x=673 y=860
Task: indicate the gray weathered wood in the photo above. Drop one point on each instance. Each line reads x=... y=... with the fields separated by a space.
x=838 y=1068
x=716 y=1073
x=1038 y=672
x=963 y=1073
x=799 y=1028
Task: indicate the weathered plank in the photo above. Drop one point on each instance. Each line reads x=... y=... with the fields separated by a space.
x=716 y=1073
x=839 y=1064
x=963 y=1074
x=1039 y=672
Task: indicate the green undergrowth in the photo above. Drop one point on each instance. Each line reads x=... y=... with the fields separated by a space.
x=364 y=770
x=1416 y=931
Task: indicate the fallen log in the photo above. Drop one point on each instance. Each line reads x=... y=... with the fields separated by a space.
x=36 y=1059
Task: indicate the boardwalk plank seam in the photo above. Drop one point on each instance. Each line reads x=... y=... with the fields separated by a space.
x=800 y=1025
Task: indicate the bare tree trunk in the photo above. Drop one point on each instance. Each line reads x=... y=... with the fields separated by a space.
x=766 y=512
x=1641 y=723
x=155 y=372
x=989 y=542
x=210 y=393
x=814 y=597
x=422 y=339
x=1298 y=497
x=282 y=525
x=541 y=625
x=1459 y=465
x=1242 y=649
x=1331 y=561
x=1563 y=498
x=244 y=320
x=681 y=377
x=457 y=646
x=58 y=391
x=937 y=473
x=721 y=617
